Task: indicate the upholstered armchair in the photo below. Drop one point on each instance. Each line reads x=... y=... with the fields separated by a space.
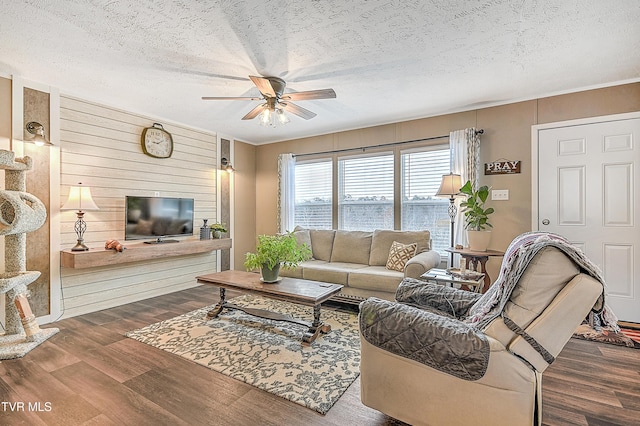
x=443 y=356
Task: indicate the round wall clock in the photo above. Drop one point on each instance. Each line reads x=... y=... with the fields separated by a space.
x=157 y=142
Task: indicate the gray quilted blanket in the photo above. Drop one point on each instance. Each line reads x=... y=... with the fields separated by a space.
x=451 y=301
x=427 y=335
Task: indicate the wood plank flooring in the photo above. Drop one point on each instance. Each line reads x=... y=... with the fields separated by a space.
x=90 y=374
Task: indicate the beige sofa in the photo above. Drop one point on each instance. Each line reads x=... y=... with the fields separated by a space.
x=358 y=259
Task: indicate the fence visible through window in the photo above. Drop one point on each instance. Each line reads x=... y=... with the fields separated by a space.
x=313 y=189
x=365 y=192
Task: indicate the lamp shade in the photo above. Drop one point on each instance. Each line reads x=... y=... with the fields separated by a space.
x=450 y=185
x=80 y=199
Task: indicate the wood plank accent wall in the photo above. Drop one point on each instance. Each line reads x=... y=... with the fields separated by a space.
x=100 y=147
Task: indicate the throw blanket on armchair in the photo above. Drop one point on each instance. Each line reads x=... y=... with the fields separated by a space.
x=516 y=259
x=423 y=327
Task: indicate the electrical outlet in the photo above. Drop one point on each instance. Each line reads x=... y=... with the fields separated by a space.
x=156 y=194
x=499 y=194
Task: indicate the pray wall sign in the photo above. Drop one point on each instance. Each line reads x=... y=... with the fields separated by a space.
x=502 y=167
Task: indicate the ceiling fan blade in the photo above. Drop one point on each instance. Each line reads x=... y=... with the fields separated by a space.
x=229 y=98
x=263 y=85
x=254 y=112
x=298 y=110
x=310 y=94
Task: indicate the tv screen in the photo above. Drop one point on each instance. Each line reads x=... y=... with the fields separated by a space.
x=157 y=217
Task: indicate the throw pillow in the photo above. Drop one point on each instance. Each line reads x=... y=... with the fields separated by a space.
x=303 y=237
x=399 y=254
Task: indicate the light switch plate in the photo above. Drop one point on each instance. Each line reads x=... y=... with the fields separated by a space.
x=500 y=194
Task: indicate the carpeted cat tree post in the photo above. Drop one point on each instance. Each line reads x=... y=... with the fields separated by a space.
x=20 y=212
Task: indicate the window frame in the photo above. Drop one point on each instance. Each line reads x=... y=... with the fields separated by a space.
x=330 y=161
x=439 y=233
x=398 y=191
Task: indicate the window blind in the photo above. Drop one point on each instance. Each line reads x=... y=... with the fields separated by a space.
x=313 y=194
x=421 y=176
x=365 y=192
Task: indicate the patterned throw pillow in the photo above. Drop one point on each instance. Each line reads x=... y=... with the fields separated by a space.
x=399 y=254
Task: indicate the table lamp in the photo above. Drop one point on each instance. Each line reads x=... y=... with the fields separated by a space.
x=80 y=199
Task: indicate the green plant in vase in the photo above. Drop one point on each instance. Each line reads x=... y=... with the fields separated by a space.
x=217 y=229
x=476 y=216
x=275 y=251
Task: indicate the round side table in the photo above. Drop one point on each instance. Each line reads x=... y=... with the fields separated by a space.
x=475 y=259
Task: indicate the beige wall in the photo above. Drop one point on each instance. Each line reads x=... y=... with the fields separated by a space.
x=507 y=134
x=5 y=138
x=5 y=115
x=244 y=180
x=35 y=108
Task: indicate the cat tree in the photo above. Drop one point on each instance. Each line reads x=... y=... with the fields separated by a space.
x=20 y=213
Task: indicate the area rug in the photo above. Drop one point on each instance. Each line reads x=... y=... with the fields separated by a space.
x=265 y=353
x=625 y=337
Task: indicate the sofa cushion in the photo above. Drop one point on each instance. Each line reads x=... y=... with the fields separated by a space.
x=298 y=272
x=352 y=247
x=322 y=243
x=303 y=237
x=334 y=272
x=383 y=238
x=399 y=254
x=375 y=278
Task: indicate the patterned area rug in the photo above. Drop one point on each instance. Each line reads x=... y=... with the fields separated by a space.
x=626 y=337
x=265 y=353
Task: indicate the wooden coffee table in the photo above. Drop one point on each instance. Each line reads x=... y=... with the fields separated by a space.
x=295 y=290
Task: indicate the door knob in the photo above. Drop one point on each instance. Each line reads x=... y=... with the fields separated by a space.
x=545 y=221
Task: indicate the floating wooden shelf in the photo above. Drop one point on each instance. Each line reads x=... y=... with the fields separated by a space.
x=139 y=252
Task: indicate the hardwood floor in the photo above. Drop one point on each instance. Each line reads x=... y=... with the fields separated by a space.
x=90 y=374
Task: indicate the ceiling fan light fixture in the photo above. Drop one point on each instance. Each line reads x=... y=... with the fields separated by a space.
x=273 y=117
x=265 y=117
x=282 y=117
x=272 y=113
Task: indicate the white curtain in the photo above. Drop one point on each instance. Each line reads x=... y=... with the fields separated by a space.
x=465 y=161
x=286 y=192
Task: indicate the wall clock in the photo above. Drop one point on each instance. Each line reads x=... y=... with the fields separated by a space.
x=157 y=142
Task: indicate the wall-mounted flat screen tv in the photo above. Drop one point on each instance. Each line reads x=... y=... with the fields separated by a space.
x=157 y=217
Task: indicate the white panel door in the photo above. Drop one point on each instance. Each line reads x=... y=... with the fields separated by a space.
x=589 y=192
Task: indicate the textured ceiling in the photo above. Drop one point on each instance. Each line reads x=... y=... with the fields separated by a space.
x=387 y=60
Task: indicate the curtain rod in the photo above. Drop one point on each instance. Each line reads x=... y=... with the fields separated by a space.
x=335 y=151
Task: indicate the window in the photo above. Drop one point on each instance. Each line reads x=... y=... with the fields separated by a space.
x=313 y=194
x=421 y=176
x=365 y=192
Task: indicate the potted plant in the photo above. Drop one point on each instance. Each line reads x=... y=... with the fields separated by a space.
x=275 y=251
x=476 y=217
x=217 y=229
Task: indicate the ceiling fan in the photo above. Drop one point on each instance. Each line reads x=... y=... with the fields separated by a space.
x=272 y=90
